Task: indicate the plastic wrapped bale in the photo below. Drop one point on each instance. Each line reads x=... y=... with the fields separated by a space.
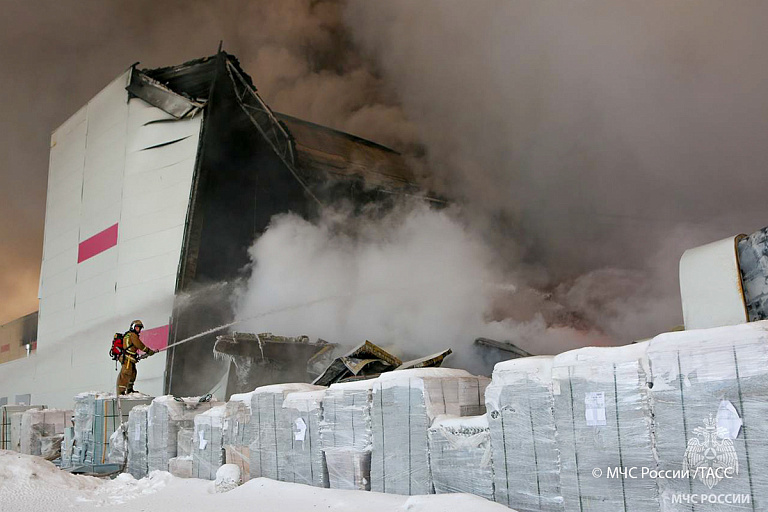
x=526 y=462
x=603 y=421
x=165 y=417
x=306 y=463
x=39 y=423
x=181 y=467
x=272 y=433
x=208 y=443
x=118 y=446
x=97 y=417
x=5 y=423
x=404 y=404
x=184 y=439
x=460 y=455
x=137 y=441
x=710 y=404
x=50 y=446
x=346 y=436
x=16 y=431
x=238 y=433
x=67 y=444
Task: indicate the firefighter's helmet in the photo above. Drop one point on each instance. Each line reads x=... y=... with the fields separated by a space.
x=135 y=324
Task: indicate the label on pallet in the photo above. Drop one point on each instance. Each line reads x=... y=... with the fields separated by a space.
x=595 y=409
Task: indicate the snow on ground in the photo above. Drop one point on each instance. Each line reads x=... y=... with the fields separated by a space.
x=32 y=484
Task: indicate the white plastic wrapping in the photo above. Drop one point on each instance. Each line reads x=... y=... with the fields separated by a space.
x=710 y=403
x=39 y=423
x=208 y=443
x=603 y=420
x=526 y=462
x=345 y=434
x=165 y=417
x=460 y=455
x=404 y=404
x=118 y=445
x=238 y=435
x=97 y=416
x=5 y=424
x=181 y=467
x=306 y=463
x=272 y=433
x=137 y=441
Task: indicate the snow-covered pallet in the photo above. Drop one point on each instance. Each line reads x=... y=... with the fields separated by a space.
x=706 y=384
x=238 y=434
x=306 y=463
x=404 y=404
x=526 y=462
x=603 y=420
x=345 y=434
x=137 y=441
x=37 y=425
x=460 y=455
x=165 y=417
x=272 y=432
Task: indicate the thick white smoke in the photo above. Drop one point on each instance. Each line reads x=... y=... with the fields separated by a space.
x=414 y=281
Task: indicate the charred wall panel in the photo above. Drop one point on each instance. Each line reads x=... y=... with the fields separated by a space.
x=240 y=184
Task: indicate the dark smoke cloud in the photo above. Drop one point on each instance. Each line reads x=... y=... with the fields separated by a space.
x=591 y=142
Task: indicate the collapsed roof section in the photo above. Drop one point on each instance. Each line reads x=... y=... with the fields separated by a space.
x=311 y=151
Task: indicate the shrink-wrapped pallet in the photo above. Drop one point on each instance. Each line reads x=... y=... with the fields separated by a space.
x=97 y=417
x=5 y=424
x=39 y=423
x=165 y=417
x=603 y=421
x=345 y=434
x=460 y=455
x=526 y=462
x=710 y=404
x=208 y=443
x=305 y=461
x=137 y=441
x=237 y=433
x=404 y=404
x=272 y=433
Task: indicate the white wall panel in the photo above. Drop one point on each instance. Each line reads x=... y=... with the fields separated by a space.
x=108 y=216
x=99 y=265
x=148 y=246
x=59 y=282
x=57 y=244
x=59 y=263
x=158 y=294
x=98 y=285
x=172 y=216
x=148 y=269
x=55 y=302
x=95 y=308
x=158 y=179
x=157 y=158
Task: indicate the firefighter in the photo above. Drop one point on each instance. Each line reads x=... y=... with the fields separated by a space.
x=131 y=344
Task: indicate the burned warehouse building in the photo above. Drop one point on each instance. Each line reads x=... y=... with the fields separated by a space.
x=157 y=188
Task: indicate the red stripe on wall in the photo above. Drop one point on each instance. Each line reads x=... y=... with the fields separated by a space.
x=157 y=337
x=5 y=348
x=97 y=244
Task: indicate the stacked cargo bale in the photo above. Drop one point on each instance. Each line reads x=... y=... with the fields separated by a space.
x=16 y=431
x=67 y=445
x=165 y=416
x=710 y=403
x=603 y=421
x=182 y=465
x=97 y=417
x=37 y=425
x=526 y=462
x=345 y=434
x=5 y=423
x=404 y=404
x=137 y=441
x=237 y=433
x=208 y=443
x=460 y=455
x=305 y=461
x=272 y=433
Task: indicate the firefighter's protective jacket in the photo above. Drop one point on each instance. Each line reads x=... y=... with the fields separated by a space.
x=132 y=343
